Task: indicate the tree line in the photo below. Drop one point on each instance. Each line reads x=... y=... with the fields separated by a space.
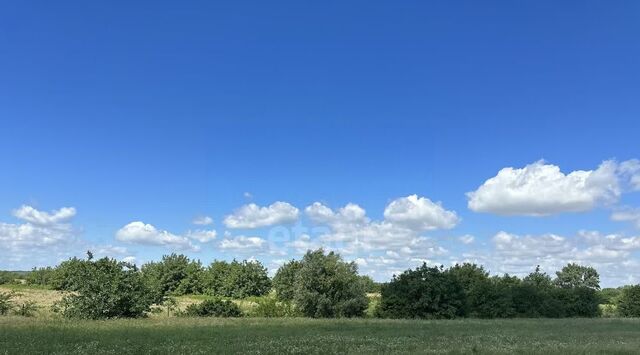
x=322 y=284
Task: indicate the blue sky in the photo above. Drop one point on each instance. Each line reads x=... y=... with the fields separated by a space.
x=161 y=112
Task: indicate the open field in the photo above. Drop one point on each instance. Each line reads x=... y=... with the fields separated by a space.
x=297 y=335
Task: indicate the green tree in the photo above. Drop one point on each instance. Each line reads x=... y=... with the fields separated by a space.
x=629 y=302
x=284 y=280
x=110 y=289
x=326 y=286
x=574 y=275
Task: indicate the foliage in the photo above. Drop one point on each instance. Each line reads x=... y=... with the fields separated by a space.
x=213 y=308
x=326 y=286
x=7 y=277
x=110 y=289
x=629 y=302
x=426 y=292
x=6 y=302
x=610 y=295
x=284 y=280
x=271 y=307
x=236 y=279
x=26 y=309
x=574 y=275
x=173 y=275
x=369 y=285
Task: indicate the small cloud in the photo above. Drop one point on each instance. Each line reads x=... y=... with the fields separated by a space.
x=202 y=220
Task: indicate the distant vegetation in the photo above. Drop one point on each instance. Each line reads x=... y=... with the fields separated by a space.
x=320 y=285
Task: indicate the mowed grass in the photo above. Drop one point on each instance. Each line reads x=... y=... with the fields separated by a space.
x=305 y=336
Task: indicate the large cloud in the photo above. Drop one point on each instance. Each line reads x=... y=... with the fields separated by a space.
x=253 y=216
x=351 y=231
x=541 y=189
x=140 y=233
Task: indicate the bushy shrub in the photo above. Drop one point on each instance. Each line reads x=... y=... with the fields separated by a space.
x=110 y=289
x=271 y=307
x=426 y=292
x=6 y=302
x=629 y=302
x=213 y=308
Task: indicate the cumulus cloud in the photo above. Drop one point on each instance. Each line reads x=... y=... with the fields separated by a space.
x=420 y=213
x=253 y=216
x=541 y=189
x=243 y=243
x=351 y=231
x=630 y=170
x=201 y=235
x=146 y=234
x=202 y=220
x=41 y=218
x=613 y=255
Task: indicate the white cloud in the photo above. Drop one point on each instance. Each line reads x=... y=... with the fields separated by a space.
x=541 y=189
x=351 y=231
x=630 y=169
x=420 y=213
x=41 y=218
x=203 y=236
x=627 y=215
x=42 y=239
x=253 y=216
x=247 y=195
x=612 y=255
x=243 y=243
x=202 y=220
x=467 y=239
x=146 y=234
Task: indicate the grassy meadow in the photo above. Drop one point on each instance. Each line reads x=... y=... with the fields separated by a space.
x=298 y=335
x=47 y=333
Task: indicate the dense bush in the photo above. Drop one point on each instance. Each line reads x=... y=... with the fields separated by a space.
x=109 y=289
x=426 y=292
x=271 y=307
x=435 y=293
x=326 y=286
x=213 y=308
x=236 y=279
x=629 y=302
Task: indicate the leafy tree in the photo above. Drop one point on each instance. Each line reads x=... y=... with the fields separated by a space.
x=68 y=276
x=574 y=275
x=110 y=289
x=326 y=286
x=284 y=280
x=426 y=292
x=629 y=302
x=236 y=279
x=173 y=275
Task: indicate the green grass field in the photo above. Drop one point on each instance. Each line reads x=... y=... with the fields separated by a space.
x=277 y=336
